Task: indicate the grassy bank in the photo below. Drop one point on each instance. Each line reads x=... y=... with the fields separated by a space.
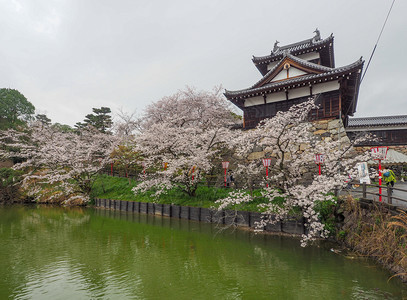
x=107 y=187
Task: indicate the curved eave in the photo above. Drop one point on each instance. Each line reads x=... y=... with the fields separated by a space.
x=297 y=62
x=297 y=82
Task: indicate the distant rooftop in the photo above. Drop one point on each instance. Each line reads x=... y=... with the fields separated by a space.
x=377 y=121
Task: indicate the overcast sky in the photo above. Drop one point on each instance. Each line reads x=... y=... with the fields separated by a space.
x=68 y=56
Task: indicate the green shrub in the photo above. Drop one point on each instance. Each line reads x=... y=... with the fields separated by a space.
x=326 y=212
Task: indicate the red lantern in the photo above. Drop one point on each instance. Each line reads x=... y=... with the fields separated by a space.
x=266 y=164
x=225 y=165
x=319 y=159
x=380 y=153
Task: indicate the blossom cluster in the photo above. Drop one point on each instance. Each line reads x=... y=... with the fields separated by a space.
x=182 y=139
x=289 y=142
x=64 y=161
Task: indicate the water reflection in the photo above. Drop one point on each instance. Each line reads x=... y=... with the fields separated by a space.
x=50 y=253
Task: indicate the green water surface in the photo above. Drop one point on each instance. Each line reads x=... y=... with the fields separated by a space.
x=78 y=253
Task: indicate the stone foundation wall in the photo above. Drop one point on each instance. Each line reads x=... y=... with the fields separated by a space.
x=327 y=130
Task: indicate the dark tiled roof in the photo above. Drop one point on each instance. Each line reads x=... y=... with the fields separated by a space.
x=310 y=64
x=296 y=48
x=377 y=121
x=296 y=80
x=297 y=60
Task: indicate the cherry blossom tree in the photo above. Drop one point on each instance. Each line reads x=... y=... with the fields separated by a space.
x=287 y=139
x=126 y=125
x=125 y=157
x=65 y=162
x=181 y=135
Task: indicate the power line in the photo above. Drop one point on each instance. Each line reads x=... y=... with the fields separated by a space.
x=374 y=49
x=370 y=59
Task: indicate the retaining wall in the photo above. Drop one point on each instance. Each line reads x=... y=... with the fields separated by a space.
x=227 y=217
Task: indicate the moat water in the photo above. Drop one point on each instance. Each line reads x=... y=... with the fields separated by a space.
x=84 y=253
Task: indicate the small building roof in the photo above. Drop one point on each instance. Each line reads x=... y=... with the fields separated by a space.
x=382 y=121
x=310 y=45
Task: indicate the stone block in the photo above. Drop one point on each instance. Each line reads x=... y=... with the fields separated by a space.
x=136 y=207
x=243 y=218
x=334 y=124
x=273 y=226
x=276 y=227
x=116 y=205
x=319 y=132
x=150 y=208
x=323 y=126
x=175 y=211
x=345 y=140
x=130 y=206
x=206 y=215
x=303 y=147
x=167 y=210
x=293 y=226
x=230 y=217
x=257 y=149
x=255 y=155
x=123 y=205
x=143 y=207
x=195 y=213
x=254 y=218
x=184 y=212
x=218 y=217
x=158 y=209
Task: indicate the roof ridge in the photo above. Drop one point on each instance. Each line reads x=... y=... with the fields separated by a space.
x=279 y=50
x=377 y=117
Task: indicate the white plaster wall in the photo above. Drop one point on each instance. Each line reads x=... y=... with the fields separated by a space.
x=299 y=92
x=274 y=97
x=293 y=72
x=293 y=93
x=254 y=101
x=309 y=56
x=325 y=87
x=280 y=76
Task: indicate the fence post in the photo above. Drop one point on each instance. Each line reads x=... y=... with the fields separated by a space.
x=389 y=192
x=364 y=191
